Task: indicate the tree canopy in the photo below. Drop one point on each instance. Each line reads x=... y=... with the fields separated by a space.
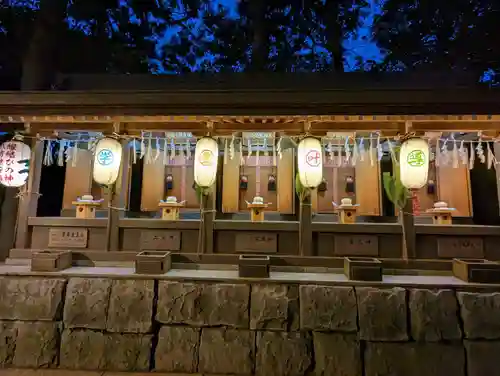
x=450 y=36
x=167 y=36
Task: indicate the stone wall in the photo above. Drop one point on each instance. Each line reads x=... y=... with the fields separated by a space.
x=241 y=329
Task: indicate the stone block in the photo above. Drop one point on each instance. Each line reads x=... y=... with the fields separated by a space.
x=414 y=359
x=328 y=308
x=283 y=354
x=480 y=314
x=31 y=299
x=82 y=349
x=274 y=307
x=8 y=336
x=382 y=314
x=131 y=306
x=434 y=315
x=227 y=351
x=37 y=344
x=482 y=358
x=203 y=304
x=127 y=352
x=87 y=301
x=177 y=349
x=337 y=354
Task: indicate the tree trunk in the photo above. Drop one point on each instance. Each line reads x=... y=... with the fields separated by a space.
x=334 y=35
x=39 y=68
x=260 y=37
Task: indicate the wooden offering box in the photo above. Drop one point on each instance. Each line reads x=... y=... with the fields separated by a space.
x=250 y=266
x=86 y=207
x=51 y=261
x=151 y=262
x=170 y=209
x=476 y=270
x=363 y=268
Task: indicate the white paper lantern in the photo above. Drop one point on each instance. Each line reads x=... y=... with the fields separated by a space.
x=414 y=163
x=107 y=161
x=14 y=163
x=205 y=162
x=310 y=162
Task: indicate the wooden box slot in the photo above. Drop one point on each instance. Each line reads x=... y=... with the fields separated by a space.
x=363 y=268
x=253 y=266
x=51 y=261
x=476 y=270
x=151 y=262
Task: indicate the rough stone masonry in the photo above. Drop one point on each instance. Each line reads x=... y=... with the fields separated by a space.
x=243 y=329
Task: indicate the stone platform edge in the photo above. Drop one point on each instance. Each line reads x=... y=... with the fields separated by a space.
x=147 y=325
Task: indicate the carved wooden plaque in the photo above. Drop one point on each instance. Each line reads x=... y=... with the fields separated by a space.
x=257 y=242
x=68 y=237
x=460 y=247
x=356 y=245
x=160 y=240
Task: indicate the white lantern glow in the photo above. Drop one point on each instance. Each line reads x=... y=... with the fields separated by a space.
x=205 y=162
x=310 y=162
x=14 y=163
x=107 y=161
x=414 y=163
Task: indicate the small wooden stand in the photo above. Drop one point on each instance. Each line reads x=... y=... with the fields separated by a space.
x=476 y=270
x=170 y=210
x=257 y=211
x=51 y=261
x=86 y=209
x=250 y=266
x=347 y=212
x=363 y=268
x=150 y=262
x=441 y=216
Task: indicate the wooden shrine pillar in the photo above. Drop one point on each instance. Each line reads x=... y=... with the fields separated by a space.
x=367 y=180
x=453 y=187
x=119 y=199
x=28 y=201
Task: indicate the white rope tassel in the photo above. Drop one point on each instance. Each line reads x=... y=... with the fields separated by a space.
x=47 y=159
x=143 y=146
x=157 y=153
x=172 y=149
x=60 y=153
x=149 y=150
x=134 y=151
x=74 y=157
x=274 y=150
x=165 y=150
x=490 y=155
x=231 y=147
x=471 y=156
x=226 y=150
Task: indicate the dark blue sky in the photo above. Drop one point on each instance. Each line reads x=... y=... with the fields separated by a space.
x=359 y=46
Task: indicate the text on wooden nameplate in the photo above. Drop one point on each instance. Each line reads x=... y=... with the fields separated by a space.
x=256 y=242
x=68 y=237
x=460 y=247
x=160 y=240
x=356 y=245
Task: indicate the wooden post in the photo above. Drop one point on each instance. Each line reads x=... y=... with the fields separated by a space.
x=409 y=235
x=117 y=201
x=208 y=222
x=305 y=232
x=28 y=202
